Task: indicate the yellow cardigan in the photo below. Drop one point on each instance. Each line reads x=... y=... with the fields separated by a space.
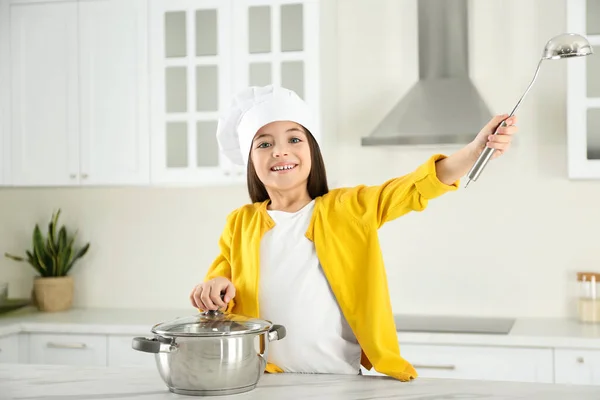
x=343 y=228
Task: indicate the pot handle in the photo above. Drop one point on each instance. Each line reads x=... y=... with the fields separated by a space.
x=151 y=345
x=277 y=332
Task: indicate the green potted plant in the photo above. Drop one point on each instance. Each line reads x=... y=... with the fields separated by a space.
x=52 y=257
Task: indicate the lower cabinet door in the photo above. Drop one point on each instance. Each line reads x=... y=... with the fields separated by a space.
x=67 y=349
x=479 y=362
x=9 y=349
x=578 y=367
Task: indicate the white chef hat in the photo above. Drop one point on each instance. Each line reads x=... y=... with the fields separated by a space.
x=253 y=108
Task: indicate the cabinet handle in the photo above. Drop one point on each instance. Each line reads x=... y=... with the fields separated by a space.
x=72 y=176
x=54 y=345
x=425 y=366
x=84 y=176
x=580 y=360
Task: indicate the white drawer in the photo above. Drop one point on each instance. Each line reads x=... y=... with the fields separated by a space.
x=579 y=367
x=120 y=353
x=9 y=349
x=67 y=349
x=480 y=362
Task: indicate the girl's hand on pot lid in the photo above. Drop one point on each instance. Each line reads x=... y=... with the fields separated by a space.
x=207 y=295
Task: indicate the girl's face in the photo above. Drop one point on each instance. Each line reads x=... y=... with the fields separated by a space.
x=281 y=156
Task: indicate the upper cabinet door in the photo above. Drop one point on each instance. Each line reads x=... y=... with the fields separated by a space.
x=277 y=42
x=115 y=141
x=44 y=136
x=4 y=94
x=583 y=93
x=190 y=53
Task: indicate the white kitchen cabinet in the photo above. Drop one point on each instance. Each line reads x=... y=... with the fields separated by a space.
x=9 y=349
x=190 y=64
x=277 y=42
x=114 y=136
x=67 y=349
x=43 y=133
x=121 y=354
x=128 y=92
x=583 y=93
x=479 y=362
x=4 y=99
x=204 y=51
x=78 y=93
x=575 y=366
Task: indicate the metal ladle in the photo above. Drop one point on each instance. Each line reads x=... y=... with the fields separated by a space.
x=565 y=45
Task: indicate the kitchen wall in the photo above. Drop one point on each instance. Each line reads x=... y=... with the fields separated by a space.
x=509 y=245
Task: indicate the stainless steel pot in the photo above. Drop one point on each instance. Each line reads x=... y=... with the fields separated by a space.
x=212 y=353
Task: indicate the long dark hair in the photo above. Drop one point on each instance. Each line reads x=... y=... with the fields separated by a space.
x=317 y=178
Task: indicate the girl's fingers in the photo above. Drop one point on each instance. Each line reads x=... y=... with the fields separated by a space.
x=499 y=138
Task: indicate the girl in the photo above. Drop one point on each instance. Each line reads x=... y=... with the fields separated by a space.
x=306 y=257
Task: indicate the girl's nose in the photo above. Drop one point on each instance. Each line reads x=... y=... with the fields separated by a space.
x=280 y=151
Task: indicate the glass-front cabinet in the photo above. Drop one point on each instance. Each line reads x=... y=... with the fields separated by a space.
x=201 y=53
x=583 y=93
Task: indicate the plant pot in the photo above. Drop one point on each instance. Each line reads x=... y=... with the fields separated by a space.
x=53 y=294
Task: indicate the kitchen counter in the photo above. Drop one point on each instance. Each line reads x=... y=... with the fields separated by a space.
x=18 y=381
x=526 y=332
x=81 y=320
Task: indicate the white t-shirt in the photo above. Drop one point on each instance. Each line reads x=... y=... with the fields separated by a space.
x=294 y=292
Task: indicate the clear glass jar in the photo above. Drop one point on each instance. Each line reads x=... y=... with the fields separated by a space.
x=588 y=302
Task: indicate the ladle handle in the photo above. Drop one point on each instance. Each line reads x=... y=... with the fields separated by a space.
x=487 y=153
x=484 y=157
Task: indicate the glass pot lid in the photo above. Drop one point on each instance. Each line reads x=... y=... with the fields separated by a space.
x=211 y=323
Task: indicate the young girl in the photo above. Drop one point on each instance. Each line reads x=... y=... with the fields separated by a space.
x=307 y=257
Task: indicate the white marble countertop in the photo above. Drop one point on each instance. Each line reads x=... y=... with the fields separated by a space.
x=527 y=332
x=93 y=320
x=39 y=382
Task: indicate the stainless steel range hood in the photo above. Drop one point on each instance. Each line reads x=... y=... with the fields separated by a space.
x=443 y=107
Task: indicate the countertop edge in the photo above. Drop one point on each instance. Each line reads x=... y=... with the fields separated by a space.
x=564 y=334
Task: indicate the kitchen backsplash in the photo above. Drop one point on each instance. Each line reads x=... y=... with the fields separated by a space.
x=509 y=245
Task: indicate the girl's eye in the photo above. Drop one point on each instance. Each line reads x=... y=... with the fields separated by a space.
x=263 y=145
x=295 y=140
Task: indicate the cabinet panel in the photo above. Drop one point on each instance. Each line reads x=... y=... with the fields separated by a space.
x=190 y=62
x=592 y=17
x=121 y=354
x=577 y=366
x=583 y=93
x=9 y=349
x=278 y=42
x=67 y=349
x=114 y=128
x=44 y=100
x=4 y=93
x=480 y=362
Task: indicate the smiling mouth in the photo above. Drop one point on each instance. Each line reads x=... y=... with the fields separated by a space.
x=281 y=168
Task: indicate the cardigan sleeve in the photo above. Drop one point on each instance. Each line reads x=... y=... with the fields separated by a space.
x=221 y=265
x=398 y=196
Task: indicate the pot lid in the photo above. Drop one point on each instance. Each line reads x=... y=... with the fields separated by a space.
x=211 y=323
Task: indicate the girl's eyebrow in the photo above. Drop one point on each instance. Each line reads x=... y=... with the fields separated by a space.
x=262 y=135
x=294 y=129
